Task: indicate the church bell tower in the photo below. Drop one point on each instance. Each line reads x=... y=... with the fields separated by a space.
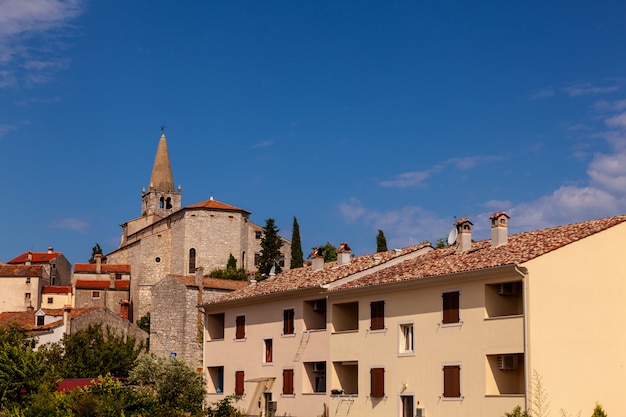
x=161 y=198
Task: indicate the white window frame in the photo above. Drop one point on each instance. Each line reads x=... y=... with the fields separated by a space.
x=402 y=338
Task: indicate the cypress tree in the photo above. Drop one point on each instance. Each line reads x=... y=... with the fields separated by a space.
x=381 y=242
x=270 y=248
x=297 y=257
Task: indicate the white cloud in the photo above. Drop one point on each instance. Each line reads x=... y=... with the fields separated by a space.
x=29 y=34
x=4 y=129
x=407 y=179
x=617 y=121
x=70 y=223
x=545 y=93
x=263 y=144
x=584 y=89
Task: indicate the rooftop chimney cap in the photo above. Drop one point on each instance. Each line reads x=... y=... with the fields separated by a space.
x=344 y=247
x=317 y=253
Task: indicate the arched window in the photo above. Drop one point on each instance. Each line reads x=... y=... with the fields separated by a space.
x=168 y=203
x=192 y=260
x=161 y=202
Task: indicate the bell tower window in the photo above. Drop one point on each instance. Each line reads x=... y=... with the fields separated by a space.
x=192 y=260
x=168 y=203
x=161 y=202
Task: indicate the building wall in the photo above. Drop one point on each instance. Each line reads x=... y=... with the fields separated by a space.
x=108 y=319
x=108 y=297
x=576 y=302
x=12 y=296
x=58 y=300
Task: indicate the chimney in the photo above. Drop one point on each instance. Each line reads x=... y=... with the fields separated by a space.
x=317 y=259
x=464 y=235
x=124 y=305
x=499 y=229
x=67 y=321
x=98 y=263
x=343 y=253
x=29 y=258
x=50 y=249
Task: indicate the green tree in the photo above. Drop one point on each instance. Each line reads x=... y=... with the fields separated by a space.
x=270 y=249
x=95 y=250
x=144 y=322
x=330 y=252
x=517 y=412
x=231 y=265
x=297 y=257
x=91 y=352
x=22 y=369
x=223 y=408
x=175 y=385
x=381 y=242
x=598 y=411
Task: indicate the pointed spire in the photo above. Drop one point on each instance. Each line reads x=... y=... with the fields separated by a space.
x=162 y=179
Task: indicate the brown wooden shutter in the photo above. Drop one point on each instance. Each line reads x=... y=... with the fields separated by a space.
x=452 y=381
x=268 y=351
x=241 y=327
x=288 y=381
x=377 y=382
x=288 y=316
x=451 y=307
x=239 y=376
x=377 y=309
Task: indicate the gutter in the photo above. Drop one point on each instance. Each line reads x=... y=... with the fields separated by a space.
x=524 y=273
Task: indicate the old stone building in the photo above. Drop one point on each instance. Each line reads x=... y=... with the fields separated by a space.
x=102 y=284
x=171 y=239
x=55 y=263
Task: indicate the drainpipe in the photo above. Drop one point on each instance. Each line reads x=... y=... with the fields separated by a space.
x=525 y=325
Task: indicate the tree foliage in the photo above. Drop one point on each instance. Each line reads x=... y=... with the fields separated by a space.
x=517 y=412
x=297 y=257
x=330 y=252
x=598 y=411
x=91 y=352
x=223 y=408
x=95 y=250
x=381 y=242
x=174 y=384
x=270 y=249
x=231 y=271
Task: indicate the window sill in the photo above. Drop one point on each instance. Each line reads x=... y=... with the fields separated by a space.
x=288 y=335
x=384 y=330
x=406 y=354
x=346 y=331
x=461 y=398
x=509 y=316
x=287 y=395
x=314 y=393
x=240 y=340
x=504 y=395
x=215 y=340
x=459 y=324
x=267 y=364
x=215 y=393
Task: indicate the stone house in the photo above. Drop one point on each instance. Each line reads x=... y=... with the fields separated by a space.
x=22 y=286
x=176 y=321
x=171 y=239
x=56 y=264
x=102 y=284
x=57 y=296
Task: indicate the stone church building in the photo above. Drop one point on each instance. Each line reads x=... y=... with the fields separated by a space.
x=171 y=239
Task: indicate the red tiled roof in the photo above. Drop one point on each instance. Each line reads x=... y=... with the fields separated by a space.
x=520 y=248
x=57 y=289
x=102 y=283
x=104 y=268
x=36 y=257
x=216 y=205
x=21 y=270
x=26 y=319
x=305 y=277
x=209 y=282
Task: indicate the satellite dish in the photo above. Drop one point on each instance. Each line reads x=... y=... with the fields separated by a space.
x=452 y=236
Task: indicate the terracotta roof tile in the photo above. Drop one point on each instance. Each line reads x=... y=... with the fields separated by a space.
x=305 y=277
x=37 y=257
x=102 y=283
x=520 y=248
x=104 y=268
x=21 y=270
x=26 y=319
x=214 y=204
x=57 y=289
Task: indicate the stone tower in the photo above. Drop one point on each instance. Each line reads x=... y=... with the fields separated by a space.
x=161 y=198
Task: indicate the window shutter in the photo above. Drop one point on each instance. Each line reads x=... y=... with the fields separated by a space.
x=377 y=383
x=241 y=327
x=288 y=316
x=377 y=309
x=239 y=375
x=288 y=381
x=451 y=307
x=452 y=381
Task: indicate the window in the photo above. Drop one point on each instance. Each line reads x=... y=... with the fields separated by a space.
x=239 y=376
x=257 y=235
x=378 y=315
x=192 y=260
x=288 y=316
x=450 y=307
x=95 y=294
x=41 y=320
x=118 y=275
x=345 y=316
x=240 y=332
x=316 y=376
x=406 y=338
x=216 y=379
x=287 y=381
x=257 y=257
x=28 y=280
x=268 y=348
x=377 y=382
x=27 y=296
x=215 y=326
x=452 y=381
x=50 y=300
x=281 y=260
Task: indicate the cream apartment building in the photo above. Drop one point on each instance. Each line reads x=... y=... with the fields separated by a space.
x=458 y=331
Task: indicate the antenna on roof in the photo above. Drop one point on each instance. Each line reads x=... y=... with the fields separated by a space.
x=452 y=236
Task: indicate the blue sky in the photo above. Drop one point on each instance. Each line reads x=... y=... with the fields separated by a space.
x=351 y=116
